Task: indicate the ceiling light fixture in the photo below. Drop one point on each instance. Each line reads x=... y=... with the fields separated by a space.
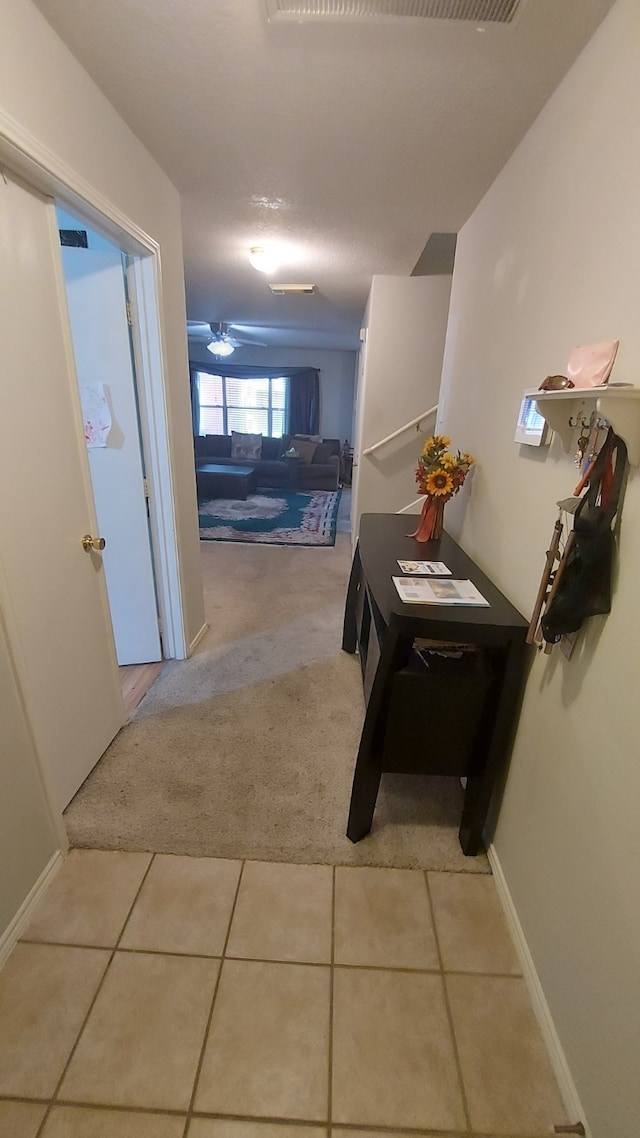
x=220 y=348
x=262 y=260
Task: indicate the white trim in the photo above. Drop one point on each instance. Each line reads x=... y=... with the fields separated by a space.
x=144 y=279
x=197 y=638
x=15 y=928
x=557 y=1057
x=46 y=172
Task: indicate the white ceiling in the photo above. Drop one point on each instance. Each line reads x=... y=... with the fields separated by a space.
x=345 y=144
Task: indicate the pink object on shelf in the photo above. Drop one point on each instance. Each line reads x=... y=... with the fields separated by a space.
x=590 y=365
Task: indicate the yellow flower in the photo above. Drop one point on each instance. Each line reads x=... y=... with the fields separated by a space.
x=439 y=483
x=447 y=460
x=467 y=458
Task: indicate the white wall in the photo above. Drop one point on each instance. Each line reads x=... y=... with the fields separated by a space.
x=405 y=321
x=549 y=260
x=45 y=90
x=46 y=93
x=337 y=373
x=27 y=838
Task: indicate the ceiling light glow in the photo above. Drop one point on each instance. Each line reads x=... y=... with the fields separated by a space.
x=262 y=260
x=220 y=348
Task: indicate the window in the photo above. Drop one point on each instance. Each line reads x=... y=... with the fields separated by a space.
x=255 y=406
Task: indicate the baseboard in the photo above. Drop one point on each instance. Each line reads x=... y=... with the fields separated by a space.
x=197 y=638
x=558 y=1059
x=14 y=930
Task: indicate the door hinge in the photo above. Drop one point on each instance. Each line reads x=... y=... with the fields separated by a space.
x=130 y=314
x=145 y=487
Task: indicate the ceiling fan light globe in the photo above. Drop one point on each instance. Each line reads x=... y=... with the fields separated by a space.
x=262 y=260
x=220 y=348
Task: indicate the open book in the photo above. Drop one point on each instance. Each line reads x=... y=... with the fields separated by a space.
x=420 y=591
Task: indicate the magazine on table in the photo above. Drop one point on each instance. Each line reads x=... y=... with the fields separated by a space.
x=430 y=568
x=420 y=591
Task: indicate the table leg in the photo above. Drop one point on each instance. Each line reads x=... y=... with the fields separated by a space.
x=480 y=788
x=366 y=778
x=349 y=629
x=364 y=794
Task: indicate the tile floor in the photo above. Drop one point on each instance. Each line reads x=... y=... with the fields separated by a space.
x=174 y=997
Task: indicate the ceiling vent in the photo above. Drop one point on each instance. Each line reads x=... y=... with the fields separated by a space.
x=292 y=289
x=476 y=11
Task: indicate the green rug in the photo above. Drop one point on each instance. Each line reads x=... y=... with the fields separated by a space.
x=272 y=517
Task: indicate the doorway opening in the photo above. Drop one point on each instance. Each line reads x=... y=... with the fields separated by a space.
x=101 y=322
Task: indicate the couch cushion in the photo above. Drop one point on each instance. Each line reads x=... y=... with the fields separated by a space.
x=245 y=446
x=215 y=445
x=271 y=448
x=271 y=468
x=323 y=452
x=304 y=448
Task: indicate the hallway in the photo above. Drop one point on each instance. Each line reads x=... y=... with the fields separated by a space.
x=183 y=997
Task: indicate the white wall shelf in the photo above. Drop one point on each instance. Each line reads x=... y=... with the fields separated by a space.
x=620 y=406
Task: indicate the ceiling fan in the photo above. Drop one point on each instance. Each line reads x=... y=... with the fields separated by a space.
x=221 y=338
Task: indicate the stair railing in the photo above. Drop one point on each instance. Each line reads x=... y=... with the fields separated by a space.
x=407 y=427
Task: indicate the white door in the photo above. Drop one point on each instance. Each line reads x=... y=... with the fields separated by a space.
x=54 y=592
x=97 y=310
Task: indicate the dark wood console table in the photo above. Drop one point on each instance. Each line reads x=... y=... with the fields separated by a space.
x=454 y=717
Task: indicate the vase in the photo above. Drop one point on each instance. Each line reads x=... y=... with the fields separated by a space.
x=431 y=519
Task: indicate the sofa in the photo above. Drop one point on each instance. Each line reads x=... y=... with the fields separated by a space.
x=315 y=465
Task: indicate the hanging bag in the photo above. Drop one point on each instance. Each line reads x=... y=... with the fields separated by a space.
x=585 y=586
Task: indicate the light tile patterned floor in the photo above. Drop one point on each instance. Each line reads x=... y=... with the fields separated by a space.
x=174 y=997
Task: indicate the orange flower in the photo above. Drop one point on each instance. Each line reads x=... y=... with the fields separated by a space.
x=439 y=483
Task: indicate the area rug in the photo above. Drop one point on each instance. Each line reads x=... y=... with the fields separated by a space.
x=272 y=517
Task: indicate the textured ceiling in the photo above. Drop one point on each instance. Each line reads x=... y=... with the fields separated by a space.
x=346 y=145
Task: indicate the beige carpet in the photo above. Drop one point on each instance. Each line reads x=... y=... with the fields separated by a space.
x=247 y=749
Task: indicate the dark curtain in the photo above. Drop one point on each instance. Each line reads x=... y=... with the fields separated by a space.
x=195 y=402
x=304 y=402
x=304 y=391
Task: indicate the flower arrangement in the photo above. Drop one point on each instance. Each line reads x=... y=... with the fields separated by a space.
x=439 y=476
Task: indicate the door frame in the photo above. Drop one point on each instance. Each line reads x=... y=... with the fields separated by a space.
x=41 y=168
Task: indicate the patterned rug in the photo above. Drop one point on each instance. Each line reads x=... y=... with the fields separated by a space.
x=273 y=517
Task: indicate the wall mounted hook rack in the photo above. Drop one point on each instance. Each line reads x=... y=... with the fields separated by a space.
x=619 y=406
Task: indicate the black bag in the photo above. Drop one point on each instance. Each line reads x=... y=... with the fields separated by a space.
x=585 y=586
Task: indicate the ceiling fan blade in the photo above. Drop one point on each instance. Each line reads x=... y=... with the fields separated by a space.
x=197 y=329
x=219 y=330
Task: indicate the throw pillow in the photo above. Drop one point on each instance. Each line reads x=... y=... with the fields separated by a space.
x=323 y=453
x=244 y=446
x=304 y=448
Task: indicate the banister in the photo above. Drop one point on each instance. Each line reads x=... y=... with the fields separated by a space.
x=407 y=509
x=407 y=427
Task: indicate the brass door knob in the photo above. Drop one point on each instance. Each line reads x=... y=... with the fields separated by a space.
x=89 y=543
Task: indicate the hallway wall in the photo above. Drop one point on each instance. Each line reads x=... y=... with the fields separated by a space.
x=47 y=93
x=27 y=838
x=550 y=260
x=399 y=378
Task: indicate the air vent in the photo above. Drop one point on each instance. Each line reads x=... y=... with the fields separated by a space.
x=292 y=289
x=476 y=11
